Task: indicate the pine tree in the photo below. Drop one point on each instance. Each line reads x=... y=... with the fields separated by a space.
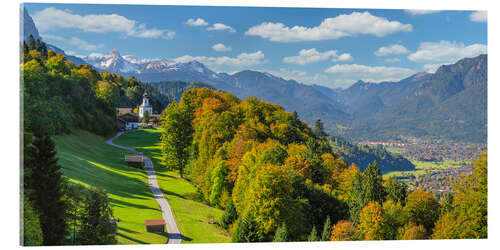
x=319 y=130
x=230 y=215
x=327 y=230
x=281 y=234
x=314 y=235
x=46 y=184
x=247 y=230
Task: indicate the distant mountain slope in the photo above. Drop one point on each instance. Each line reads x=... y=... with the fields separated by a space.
x=449 y=104
x=362 y=155
x=173 y=89
x=28 y=28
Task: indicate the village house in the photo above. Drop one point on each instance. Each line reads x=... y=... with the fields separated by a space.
x=128 y=121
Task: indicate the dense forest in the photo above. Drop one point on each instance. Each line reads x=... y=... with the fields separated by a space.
x=279 y=180
x=363 y=155
x=173 y=89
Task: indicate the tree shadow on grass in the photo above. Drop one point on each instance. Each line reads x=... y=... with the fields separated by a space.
x=128 y=204
x=131 y=239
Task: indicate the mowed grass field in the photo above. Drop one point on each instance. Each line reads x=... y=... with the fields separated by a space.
x=422 y=166
x=87 y=159
x=191 y=214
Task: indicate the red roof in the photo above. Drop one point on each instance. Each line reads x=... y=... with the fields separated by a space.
x=154 y=222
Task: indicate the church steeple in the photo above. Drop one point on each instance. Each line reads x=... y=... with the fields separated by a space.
x=145 y=106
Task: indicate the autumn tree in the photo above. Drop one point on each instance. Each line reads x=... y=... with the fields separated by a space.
x=343 y=231
x=371 y=222
x=422 y=208
x=468 y=216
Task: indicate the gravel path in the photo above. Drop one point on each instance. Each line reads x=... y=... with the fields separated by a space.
x=174 y=235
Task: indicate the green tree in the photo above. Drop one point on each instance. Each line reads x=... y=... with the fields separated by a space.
x=217 y=177
x=396 y=190
x=281 y=234
x=32 y=233
x=46 y=184
x=327 y=229
x=230 y=215
x=177 y=137
x=319 y=130
x=367 y=187
x=314 y=235
x=247 y=230
x=145 y=118
x=96 y=227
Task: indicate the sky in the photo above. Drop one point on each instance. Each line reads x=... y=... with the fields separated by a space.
x=325 y=46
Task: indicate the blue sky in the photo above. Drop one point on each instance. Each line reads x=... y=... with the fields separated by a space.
x=330 y=47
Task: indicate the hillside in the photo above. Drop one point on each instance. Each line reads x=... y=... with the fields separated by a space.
x=449 y=104
x=87 y=159
x=362 y=156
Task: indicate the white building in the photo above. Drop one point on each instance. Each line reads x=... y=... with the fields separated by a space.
x=145 y=106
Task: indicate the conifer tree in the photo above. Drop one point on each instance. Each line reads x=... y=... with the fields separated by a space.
x=314 y=235
x=46 y=184
x=281 y=234
x=327 y=230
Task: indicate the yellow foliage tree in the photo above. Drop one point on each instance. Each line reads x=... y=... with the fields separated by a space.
x=371 y=222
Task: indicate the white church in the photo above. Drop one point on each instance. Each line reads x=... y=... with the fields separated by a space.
x=145 y=107
x=128 y=120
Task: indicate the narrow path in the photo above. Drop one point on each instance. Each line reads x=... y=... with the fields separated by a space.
x=174 y=235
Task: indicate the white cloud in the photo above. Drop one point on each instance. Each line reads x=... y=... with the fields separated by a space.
x=445 y=52
x=369 y=73
x=197 y=22
x=53 y=19
x=394 y=49
x=221 y=26
x=479 y=16
x=73 y=41
x=421 y=12
x=221 y=47
x=242 y=61
x=392 y=60
x=300 y=76
x=307 y=56
x=331 y=28
x=431 y=68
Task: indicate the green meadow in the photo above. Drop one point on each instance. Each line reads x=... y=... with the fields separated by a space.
x=193 y=216
x=421 y=167
x=87 y=159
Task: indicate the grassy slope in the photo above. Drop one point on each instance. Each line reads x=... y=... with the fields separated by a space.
x=190 y=213
x=87 y=159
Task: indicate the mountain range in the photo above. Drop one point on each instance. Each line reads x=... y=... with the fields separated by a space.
x=448 y=104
